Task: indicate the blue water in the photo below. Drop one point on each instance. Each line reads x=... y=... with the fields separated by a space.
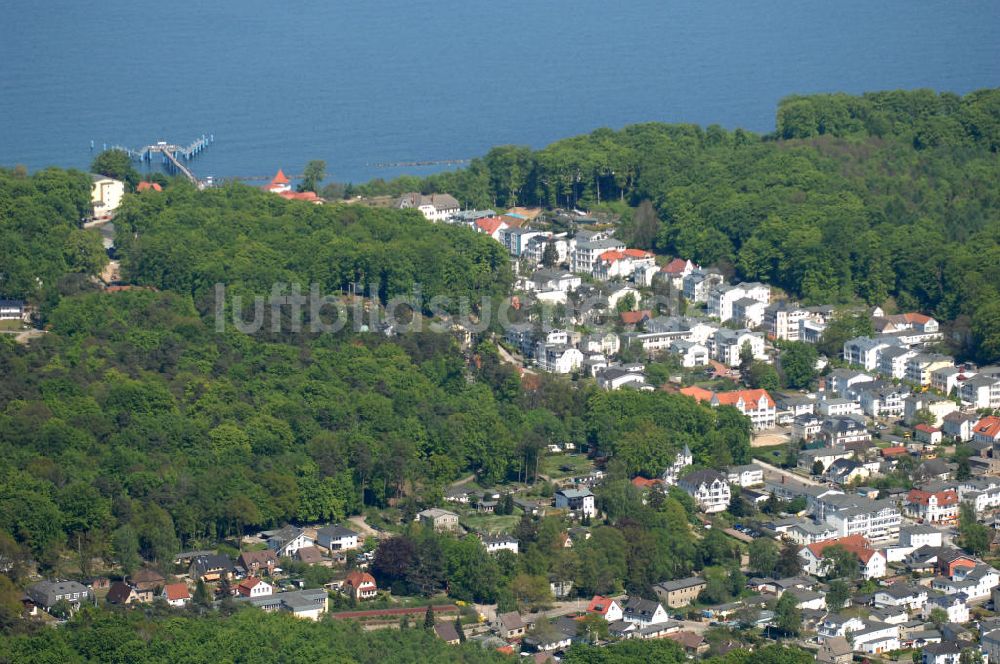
x=356 y=83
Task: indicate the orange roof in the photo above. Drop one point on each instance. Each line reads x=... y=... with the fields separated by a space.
x=988 y=426
x=675 y=266
x=637 y=253
x=145 y=186
x=612 y=255
x=926 y=428
x=280 y=178
x=699 y=393
x=356 y=579
x=176 y=591
x=642 y=483
x=249 y=582
x=893 y=451
x=633 y=317
x=946 y=497
x=489 y=225
x=599 y=605
x=750 y=398
x=918 y=319
x=299 y=195
x=856 y=544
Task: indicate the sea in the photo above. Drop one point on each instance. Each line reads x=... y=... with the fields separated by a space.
x=379 y=88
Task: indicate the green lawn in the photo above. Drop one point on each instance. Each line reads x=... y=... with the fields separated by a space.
x=12 y=325
x=491 y=522
x=773 y=454
x=552 y=465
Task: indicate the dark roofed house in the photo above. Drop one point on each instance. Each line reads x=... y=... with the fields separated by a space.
x=255 y=563
x=46 y=593
x=511 y=625
x=147 y=579
x=310 y=555
x=446 y=632
x=212 y=567
x=337 y=538
x=122 y=593
x=680 y=592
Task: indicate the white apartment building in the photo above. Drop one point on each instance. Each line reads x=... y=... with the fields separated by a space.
x=709 y=489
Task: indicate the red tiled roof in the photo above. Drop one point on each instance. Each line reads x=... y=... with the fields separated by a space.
x=633 y=317
x=926 y=428
x=988 y=426
x=176 y=591
x=642 y=482
x=612 y=255
x=893 y=451
x=357 y=579
x=946 y=497
x=146 y=186
x=637 y=253
x=299 y=195
x=599 y=605
x=675 y=266
x=856 y=544
x=749 y=397
x=280 y=178
x=489 y=225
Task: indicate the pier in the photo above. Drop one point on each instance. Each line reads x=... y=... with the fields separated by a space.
x=174 y=156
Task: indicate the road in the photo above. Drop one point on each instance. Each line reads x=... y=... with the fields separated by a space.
x=774 y=473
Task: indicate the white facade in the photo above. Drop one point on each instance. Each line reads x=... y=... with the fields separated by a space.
x=708 y=488
x=558 y=358
x=106 y=195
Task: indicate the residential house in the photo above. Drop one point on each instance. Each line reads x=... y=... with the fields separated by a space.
x=122 y=593
x=11 y=309
x=585 y=253
x=176 y=594
x=211 y=567
x=927 y=434
x=835 y=650
x=844 y=471
x=644 y=612
x=307 y=604
x=709 y=489
x=920 y=366
x=958 y=426
x=843 y=430
x=990 y=645
x=683 y=459
x=510 y=626
x=781 y=320
x=836 y=624
x=517 y=239
x=438 y=519
x=146 y=579
x=953 y=605
x=981 y=392
x=755 y=404
x=699 y=282
x=287 y=540
x=976 y=583
x=722 y=298
x=446 y=632
x=434 y=207
x=360 y=585
x=806 y=427
x=824 y=455
x=558 y=358
x=865 y=352
x=875 y=637
x=255 y=563
x=551 y=279
x=892 y=361
x=913 y=598
x=745 y=476
x=622 y=264
x=937 y=406
x=874 y=520
x=987 y=430
x=920 y=535
x=728 y=344
x=105 y=195
x=691 y=354
x=872 y=561
x=578 y=500
x=807 y=532
x=834 y=407
x=806 y=599
x=253 y=586
x=494 y=543
x=840 y=381
x=680 y=592
x=614 y=378
x=491 y=226
x=313 y=555
x=607 y=608
x=337 y=538
x=940 y=507
x=46 y=593
x=946 y=652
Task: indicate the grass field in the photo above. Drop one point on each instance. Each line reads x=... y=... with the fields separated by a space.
x=9 y=325
x=490 y=522
x=552 y=466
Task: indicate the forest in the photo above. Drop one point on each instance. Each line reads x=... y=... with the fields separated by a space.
x=853 y=199
x=252 y=637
